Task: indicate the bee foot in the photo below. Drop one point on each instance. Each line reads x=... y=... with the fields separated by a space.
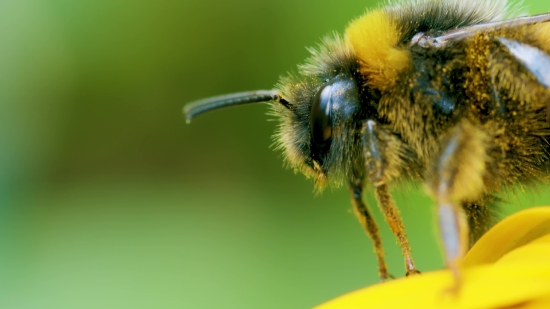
x=386 y=277
x=412 y=272
x=454 y=290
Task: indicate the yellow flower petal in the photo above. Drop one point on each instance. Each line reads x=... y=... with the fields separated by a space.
x=512 y=232
x=508 y=268
x=484 y=287
x=535 y=253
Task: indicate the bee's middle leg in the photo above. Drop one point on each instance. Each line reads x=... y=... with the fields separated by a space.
x=376 y=157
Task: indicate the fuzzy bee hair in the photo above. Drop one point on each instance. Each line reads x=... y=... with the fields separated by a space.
x=441 y=92
x=374 y=37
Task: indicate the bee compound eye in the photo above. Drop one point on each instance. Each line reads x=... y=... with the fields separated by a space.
x=321 y=120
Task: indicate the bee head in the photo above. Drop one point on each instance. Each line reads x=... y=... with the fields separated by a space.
x=320 y=112
x=320 y=128
x=323 y=107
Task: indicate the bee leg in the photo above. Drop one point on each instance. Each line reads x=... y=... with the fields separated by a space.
x=371 y=228
x=453 y=227
x=375 y=165
x=457 y=179
x=480 y=216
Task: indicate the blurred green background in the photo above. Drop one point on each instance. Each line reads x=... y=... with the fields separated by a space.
x=109 y=200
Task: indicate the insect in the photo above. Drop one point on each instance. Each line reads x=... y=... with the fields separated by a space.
x=447 y=93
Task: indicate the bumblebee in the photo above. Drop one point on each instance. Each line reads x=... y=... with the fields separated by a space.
x=447 y=93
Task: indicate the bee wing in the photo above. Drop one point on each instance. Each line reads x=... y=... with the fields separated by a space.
x=469 y=31
x=532 y=58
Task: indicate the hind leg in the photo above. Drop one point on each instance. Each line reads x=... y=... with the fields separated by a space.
x=458 y=182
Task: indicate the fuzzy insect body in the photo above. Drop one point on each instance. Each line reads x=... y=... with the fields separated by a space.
x=440 y=92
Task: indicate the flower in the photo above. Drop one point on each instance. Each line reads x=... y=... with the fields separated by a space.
x=509 y=267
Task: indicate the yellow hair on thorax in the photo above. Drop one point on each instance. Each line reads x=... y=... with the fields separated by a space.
x=374 y=37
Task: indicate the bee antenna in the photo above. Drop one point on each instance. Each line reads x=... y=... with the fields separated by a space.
x=193 y=109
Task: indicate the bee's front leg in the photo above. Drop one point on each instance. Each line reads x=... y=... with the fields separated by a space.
x=377 y=156
x=367 y=221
